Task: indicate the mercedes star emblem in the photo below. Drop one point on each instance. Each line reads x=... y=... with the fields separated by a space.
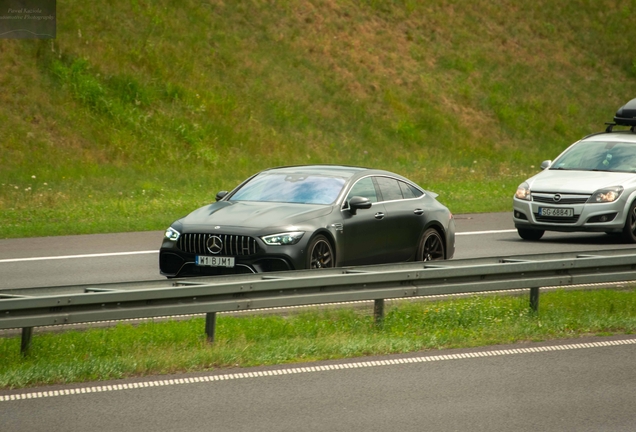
x=214 y=244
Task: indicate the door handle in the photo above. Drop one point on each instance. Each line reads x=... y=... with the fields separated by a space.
x=379 y=215
x=418 y=212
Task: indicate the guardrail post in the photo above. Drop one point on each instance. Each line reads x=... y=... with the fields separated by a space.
x=27 y=332
x=534 y=298
x=210 y=325
x=378 y=311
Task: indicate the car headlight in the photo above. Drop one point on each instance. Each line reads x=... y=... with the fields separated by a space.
x=288 y=238
x=172 y=234
x=523 y=192
x=606 y=195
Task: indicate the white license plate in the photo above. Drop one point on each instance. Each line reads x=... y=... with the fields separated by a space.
x=214 y=261
x=556 y=212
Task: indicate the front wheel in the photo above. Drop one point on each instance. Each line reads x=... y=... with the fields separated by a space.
x=530 y=234
x=431 y=246
x=320 y=253
x=629 y=230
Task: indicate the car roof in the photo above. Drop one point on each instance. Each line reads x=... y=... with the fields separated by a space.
x=335 y=170
x=618 y=136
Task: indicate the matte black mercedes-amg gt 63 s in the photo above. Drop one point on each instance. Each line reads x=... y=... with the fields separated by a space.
x=308 y=217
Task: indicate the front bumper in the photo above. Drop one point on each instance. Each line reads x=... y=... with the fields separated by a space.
x=605 y=217
x=174 y=262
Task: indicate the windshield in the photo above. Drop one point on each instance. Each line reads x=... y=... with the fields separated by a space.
x=598 y=156
x=291 y=188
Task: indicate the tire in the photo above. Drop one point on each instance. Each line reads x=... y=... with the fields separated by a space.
x=431 y=246
x=629 y=230
x=320 y=253
x=530 y=234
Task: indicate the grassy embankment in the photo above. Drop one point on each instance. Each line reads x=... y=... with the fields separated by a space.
x=139 y=112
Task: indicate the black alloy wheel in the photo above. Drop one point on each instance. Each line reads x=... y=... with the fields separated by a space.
x=629 y=230
x=431 y=246
x=320 y=253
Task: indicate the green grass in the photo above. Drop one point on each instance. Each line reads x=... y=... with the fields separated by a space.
x=136 y=115
x=181 y=346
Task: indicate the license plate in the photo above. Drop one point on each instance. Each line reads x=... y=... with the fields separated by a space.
x=556 y=212
x=214 y=261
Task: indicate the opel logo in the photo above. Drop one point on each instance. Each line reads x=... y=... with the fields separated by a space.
x=214 y=244
x=557 y=197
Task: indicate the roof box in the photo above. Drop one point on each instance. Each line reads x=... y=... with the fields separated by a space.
x=626 y=115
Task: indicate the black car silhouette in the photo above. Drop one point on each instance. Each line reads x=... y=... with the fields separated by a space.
x=308 y=217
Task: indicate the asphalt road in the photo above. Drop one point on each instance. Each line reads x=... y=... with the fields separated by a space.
x=581 y=386
x=586 y=385
x=103 y=258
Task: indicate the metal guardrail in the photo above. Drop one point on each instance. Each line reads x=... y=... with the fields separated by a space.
x=28 y=308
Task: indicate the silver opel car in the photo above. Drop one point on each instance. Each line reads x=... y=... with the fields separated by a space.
x=591 y=186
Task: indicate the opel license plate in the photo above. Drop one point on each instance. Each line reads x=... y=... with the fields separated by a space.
x=556 y=212
x=214 y=261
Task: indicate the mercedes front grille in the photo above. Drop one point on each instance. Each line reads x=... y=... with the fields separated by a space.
x=230 y=245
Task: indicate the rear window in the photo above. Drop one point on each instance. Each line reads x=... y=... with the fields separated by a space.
x=393 y=189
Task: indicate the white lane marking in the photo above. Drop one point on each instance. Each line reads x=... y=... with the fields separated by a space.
x=486 y=232
x=312 y=369
x=100 y=255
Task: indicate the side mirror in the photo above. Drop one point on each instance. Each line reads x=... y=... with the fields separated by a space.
x=546 y=164
x=357 y=203
x=221 y=195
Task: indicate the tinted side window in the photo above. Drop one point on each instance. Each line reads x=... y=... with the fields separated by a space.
x=365 y=189
x=409 y=191
x=389 y=188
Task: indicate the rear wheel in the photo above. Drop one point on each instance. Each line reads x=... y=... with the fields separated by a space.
x=629 y=230
x=320 y=253
x=431 y=246
x=530 y=234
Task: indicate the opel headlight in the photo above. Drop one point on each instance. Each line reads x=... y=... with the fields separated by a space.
x=523 y=192
x=606 y=195
x=172 y=234
x=288 y=238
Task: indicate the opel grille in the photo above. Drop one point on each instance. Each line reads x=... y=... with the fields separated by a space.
x=549 y=198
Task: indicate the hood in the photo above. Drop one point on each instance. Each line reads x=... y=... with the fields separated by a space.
x=585 y=182
x=253 y=215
